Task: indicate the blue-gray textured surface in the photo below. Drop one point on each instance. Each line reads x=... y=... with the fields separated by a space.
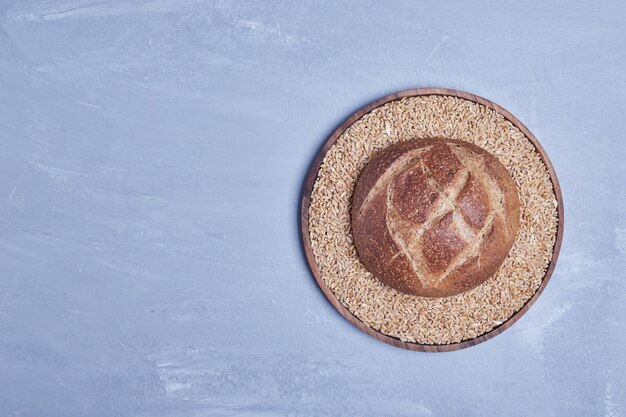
x=151 y=159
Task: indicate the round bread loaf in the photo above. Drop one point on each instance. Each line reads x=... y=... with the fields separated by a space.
x=434 y=217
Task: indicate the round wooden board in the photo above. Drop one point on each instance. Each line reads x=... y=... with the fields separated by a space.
x=306 y=199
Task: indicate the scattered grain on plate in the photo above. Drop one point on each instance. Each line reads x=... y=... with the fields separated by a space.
x=420 y=319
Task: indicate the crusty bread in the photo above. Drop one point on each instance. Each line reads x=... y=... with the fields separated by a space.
x=434 y=217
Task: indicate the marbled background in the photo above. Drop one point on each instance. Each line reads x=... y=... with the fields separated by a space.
x=151 y=158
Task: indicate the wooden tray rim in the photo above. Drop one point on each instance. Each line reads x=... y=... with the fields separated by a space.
x=306 y=199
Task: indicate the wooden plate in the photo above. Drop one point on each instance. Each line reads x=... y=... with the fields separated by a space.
x=308 y=189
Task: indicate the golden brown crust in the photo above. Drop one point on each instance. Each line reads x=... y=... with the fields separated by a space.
x=434 y=217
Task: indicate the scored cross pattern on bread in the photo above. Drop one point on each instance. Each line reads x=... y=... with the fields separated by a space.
x=434 y=217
